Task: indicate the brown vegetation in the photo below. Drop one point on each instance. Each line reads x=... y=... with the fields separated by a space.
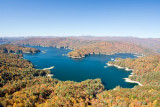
x=23 y=86
x=7 y=48
x=81 y=48
x=146 y=69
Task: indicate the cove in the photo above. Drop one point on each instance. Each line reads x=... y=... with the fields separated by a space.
x=90 y=67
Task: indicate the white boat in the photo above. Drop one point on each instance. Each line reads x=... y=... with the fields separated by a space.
x=43 y=51
x=112 y=59
x=105 y=66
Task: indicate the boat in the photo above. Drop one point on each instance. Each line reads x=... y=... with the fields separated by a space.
x=105 y=66
x=112 y=59
x=43 y=51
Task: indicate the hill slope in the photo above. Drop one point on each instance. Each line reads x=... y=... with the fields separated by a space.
x=146 y=70
x=151 y=43
x=22 y=85
x=7 y=48
x=86 y=47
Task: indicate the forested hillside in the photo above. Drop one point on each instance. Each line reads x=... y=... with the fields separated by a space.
x=22 y=85
x=7 y=48
x=151 y=43
x=81 y=48
x=146 y=70
x=104 y=47
x=7 y=40
x=55 y=42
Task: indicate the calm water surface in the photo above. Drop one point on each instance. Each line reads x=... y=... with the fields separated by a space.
x=90 y=67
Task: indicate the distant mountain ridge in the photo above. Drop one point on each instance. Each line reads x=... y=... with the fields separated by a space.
x=152 y=43
x=82 y=47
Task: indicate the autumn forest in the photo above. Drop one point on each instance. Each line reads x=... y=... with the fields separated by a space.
x=21 y=85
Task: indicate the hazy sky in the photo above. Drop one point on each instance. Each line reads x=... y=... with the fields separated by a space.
x=140 y=18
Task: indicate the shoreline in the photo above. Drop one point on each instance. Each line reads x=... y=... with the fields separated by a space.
x=135 y=54
x=74 y=57
x=131 y=81
x=49 y=75
x=48 y=68
x=127 y=69
x=119 y=67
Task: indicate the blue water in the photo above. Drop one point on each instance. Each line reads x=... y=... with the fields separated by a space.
x=90 y=67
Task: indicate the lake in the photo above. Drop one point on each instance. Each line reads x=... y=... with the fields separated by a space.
x=90 y=67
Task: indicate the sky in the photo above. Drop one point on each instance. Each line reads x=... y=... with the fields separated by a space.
x=138 y=18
